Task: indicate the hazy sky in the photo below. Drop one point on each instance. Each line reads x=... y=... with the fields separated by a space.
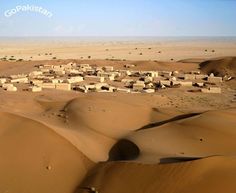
x=121 y=18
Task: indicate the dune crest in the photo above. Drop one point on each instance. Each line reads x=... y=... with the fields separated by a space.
x=207 y=134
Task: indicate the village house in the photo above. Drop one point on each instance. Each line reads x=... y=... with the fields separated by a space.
x=108 y=68
x=186 y=83
x=55 y=81
x=20 y=80
x=9 y=87
x=99 y=86
x=123 y=90
x=125 y=80
x=36 y=82
x=75 y=79
x=35 y=74
x=3 y=80
x=214 y=79
x=138 y=86
x=166 y=74
x=63 y=86
x=48 y=85
x=35 y=89
x=199 y=84
x=165 y=83
x=107 y=75
x=94 y=78
x=148 y=79
x=125 y=72
x=5 y=85
x=200 y=76
x=189 y=76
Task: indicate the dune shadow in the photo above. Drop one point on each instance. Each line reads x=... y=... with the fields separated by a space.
x=168 y=160
x=177 y=118
x=124 y=150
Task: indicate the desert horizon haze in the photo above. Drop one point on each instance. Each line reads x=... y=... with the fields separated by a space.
x=128 y=96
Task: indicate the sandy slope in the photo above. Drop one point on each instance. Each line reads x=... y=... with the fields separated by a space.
x=220 y=67
x=208 y=134
x=215 y=174
x=35 y=159
x=107 y=116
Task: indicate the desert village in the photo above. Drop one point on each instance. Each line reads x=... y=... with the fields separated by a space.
x=91 y=78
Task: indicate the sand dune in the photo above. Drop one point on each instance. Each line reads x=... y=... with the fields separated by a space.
x=208 y=134
x=94 y=124
x=36 y=159
x=220 y=67
x=214 y=174
x=111 y=118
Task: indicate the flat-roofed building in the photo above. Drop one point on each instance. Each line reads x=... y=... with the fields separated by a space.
x=20 y=80
x=3 y=80
x=189 y=77
x=49 y=85
x=35 y=89
x=11 y=89
x=165 y=82
x=75 y=79
x=94 y=78
x=108 y=68
x=63 y=86
x=214 y=79
x=138 y=86
x=123 y=90
x=186 y=83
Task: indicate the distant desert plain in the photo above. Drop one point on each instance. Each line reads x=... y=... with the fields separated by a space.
x=174 y=135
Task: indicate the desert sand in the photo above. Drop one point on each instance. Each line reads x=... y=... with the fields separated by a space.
x=172 y=141
x=140 y=48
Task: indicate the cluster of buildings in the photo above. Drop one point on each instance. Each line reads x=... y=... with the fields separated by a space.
x=91 y=78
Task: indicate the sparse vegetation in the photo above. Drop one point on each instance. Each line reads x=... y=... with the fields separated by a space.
x=54 y=58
